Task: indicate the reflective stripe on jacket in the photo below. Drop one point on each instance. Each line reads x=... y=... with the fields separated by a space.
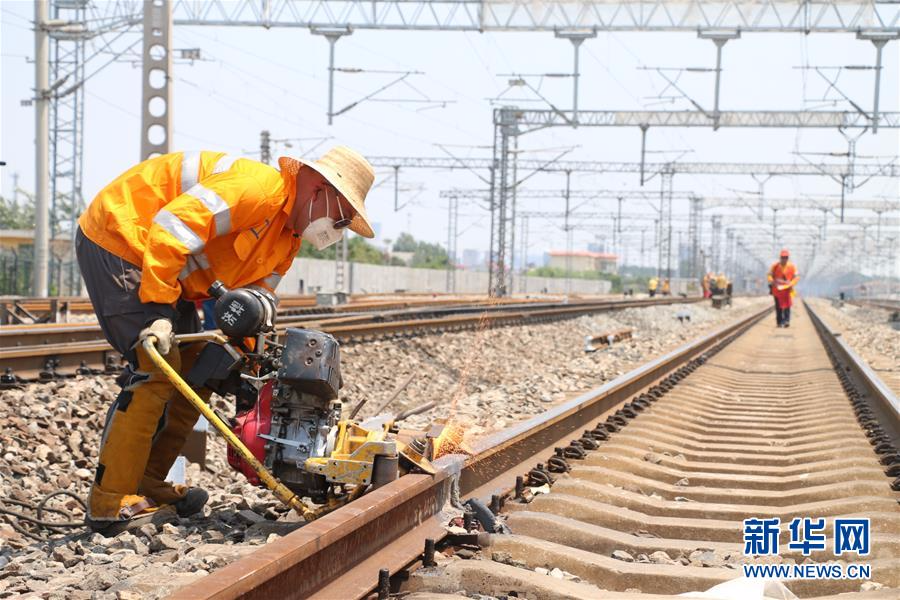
x=779 y=275
x=189 y=218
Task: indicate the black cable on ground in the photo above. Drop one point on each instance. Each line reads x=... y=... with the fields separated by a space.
x=42 y=528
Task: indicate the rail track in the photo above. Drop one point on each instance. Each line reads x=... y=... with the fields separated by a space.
x=884 y=304
x=17 y=311
x=650 y=478
x=52 y=351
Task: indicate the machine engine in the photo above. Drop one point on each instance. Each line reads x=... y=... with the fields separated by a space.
x=296 y=417
x=288 y=412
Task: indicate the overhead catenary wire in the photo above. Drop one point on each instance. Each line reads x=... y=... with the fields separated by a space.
x=232 y=65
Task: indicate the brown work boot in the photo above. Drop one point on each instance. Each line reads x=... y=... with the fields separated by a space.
x=192 y=502
x=134 y=517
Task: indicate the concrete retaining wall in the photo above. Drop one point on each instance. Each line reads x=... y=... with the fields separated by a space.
x=365 y=278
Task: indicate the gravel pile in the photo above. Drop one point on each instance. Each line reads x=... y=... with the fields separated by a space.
x=869 y=333
x=490 y=379
x=493 y=378
x=50 y=435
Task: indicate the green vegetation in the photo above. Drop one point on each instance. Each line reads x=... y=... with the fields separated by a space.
x=631 y=277
x=559 y=272
x=424 y=255
x=358 y=250
x=405 y=243
x=14 y=215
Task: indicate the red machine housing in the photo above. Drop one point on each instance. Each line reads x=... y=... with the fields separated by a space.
x=249 y=425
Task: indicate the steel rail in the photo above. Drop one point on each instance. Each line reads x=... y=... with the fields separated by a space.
x=712 y=421
x=340 y=555
x=49 y=360
x=892 y=305
x=883 y=402
x=294 y=316
x=289 y=304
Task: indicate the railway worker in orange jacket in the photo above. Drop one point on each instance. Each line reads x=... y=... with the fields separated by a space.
x=150 y=244
x=783 y=278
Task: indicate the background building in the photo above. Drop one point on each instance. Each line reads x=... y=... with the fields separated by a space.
x=583 y=260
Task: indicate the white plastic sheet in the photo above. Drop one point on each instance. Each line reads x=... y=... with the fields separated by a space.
x=744 y=588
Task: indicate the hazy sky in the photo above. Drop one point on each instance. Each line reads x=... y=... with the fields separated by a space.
x=253 y=79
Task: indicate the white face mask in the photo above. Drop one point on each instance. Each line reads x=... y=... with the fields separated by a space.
x=321 y=232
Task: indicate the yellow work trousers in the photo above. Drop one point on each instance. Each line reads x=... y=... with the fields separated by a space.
x=145 y=430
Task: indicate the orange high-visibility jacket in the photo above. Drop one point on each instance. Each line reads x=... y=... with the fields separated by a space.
x=189 y=218
x=779 y=275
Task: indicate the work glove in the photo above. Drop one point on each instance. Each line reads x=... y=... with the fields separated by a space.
x=161 y=329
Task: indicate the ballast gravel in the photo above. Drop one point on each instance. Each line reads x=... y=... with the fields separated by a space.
x=869 y=332
x=486 y=379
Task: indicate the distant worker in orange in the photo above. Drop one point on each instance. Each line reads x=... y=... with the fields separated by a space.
x=783 y=278
x=721 y=282
x=704 y=284
x=666 y=288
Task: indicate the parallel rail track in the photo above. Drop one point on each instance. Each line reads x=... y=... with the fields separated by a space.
x=24 y=311
x=749 y=421
x=891 y=305
x=44 y=352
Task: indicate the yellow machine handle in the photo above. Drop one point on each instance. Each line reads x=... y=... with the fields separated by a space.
x=277 y=488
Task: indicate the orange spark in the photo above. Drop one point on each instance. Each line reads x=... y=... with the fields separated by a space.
x=450 y=441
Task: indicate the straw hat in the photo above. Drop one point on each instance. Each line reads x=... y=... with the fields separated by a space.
x=348 y=172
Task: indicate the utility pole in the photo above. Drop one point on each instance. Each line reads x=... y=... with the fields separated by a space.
x=569 y=240
x=505 y=127
x=265 y=146
x=524 y=254
x=512 y=220
x=332 y=35
x=396 y=188
x=452 y=235
x=340 y=265
x=156 y=65
x=664 y=255
x=40 y=271
x=617 y=230
x=717 y=243
x=775 y=228
x=719 y=38
x=643 y=231
x=577 y=38
x=678 y=264
x=729 y=253
x=695 y=236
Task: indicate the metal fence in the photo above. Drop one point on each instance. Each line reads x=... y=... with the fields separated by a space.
x=16 y=268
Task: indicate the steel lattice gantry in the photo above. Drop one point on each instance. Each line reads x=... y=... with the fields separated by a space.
x=871 y=20
x=537 y=119
x=665 y=170
x=66 y=114
x=891 y=169
x=510 y=122
x=815 y=16
x=826 y=203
